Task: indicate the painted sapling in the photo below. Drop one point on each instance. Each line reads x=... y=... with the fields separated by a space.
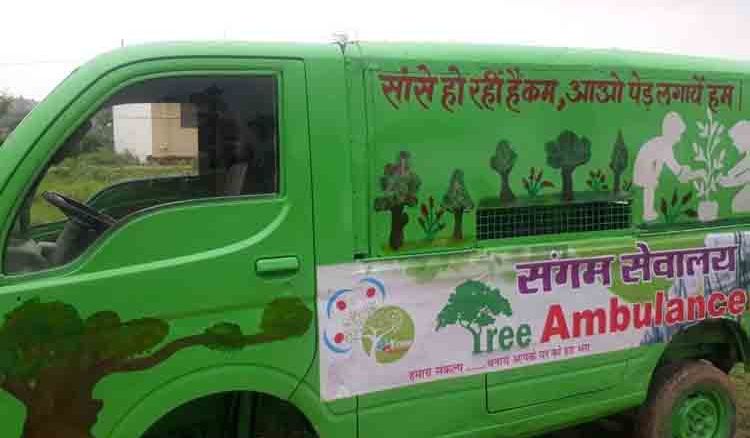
x=431 y=219
x=710 y=156
x=534 y=184
x=597 y=180
x=676 y=207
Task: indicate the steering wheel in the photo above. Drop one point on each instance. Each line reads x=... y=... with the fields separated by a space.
x=79 y=213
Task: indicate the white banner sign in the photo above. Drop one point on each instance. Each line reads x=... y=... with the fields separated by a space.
x=396 y=323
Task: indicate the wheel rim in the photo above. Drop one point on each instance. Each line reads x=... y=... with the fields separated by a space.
x=702 y=414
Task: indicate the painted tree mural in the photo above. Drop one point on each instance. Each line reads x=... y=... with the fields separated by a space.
x=51 y=358
x=474 y=305
x=457 y=201
x=399 y=184
x=618 y=162
x=502 y=162
x=567 y=152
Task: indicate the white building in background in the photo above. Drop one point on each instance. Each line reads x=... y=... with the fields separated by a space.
x=133 y=129
x=156 y=130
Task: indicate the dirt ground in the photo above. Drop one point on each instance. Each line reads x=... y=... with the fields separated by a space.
x=742 y=384
x=615 y=428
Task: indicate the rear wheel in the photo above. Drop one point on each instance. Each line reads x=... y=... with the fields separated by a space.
x=689 y=400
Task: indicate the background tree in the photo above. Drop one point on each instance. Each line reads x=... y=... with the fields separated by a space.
x=457 y=201
x=100 y=134
x=618 y=162
x=502 y=162
x=567 y=152
x=399 y=185
x=473 y=306
x=51 y=358
x=5 y=102
x=12 y=110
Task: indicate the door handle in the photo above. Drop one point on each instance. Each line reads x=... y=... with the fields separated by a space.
x=277 y=265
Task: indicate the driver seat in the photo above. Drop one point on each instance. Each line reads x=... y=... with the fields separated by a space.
x=71 y=242
x=234 y=182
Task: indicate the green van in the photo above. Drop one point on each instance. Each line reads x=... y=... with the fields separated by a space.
x=376 y=240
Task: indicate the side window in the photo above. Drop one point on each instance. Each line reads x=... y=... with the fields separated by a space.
x=156 y=142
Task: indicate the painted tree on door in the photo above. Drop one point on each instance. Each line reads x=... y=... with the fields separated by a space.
x=51 y=358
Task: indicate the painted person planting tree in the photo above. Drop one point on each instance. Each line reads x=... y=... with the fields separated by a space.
x=656 y=154
x=739 y=175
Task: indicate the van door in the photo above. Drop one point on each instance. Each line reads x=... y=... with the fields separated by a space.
x=161 y=238
x=570 y=369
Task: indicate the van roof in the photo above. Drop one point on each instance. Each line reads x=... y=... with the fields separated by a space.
x=436 y=52
x=551 y=56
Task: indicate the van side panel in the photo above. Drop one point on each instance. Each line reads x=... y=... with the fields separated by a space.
x=485 y=167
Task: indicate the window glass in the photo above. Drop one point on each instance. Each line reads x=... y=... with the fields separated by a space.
x=156 y=142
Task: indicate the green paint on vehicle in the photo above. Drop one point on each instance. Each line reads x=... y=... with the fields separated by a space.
x=52 y=359
x=169 y=306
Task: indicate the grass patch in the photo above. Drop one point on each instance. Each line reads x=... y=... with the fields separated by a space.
x=85 y=175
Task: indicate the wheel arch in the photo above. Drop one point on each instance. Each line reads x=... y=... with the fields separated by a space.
x=323 y=419
x=202 y=383
x=723 y=342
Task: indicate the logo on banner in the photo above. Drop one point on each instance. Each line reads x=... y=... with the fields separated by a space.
x=360 y=318
x=475 y=306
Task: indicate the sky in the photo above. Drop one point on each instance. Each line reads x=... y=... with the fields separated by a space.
x=42 y=41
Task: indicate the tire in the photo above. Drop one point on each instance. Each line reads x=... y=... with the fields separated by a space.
x=689 y=400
